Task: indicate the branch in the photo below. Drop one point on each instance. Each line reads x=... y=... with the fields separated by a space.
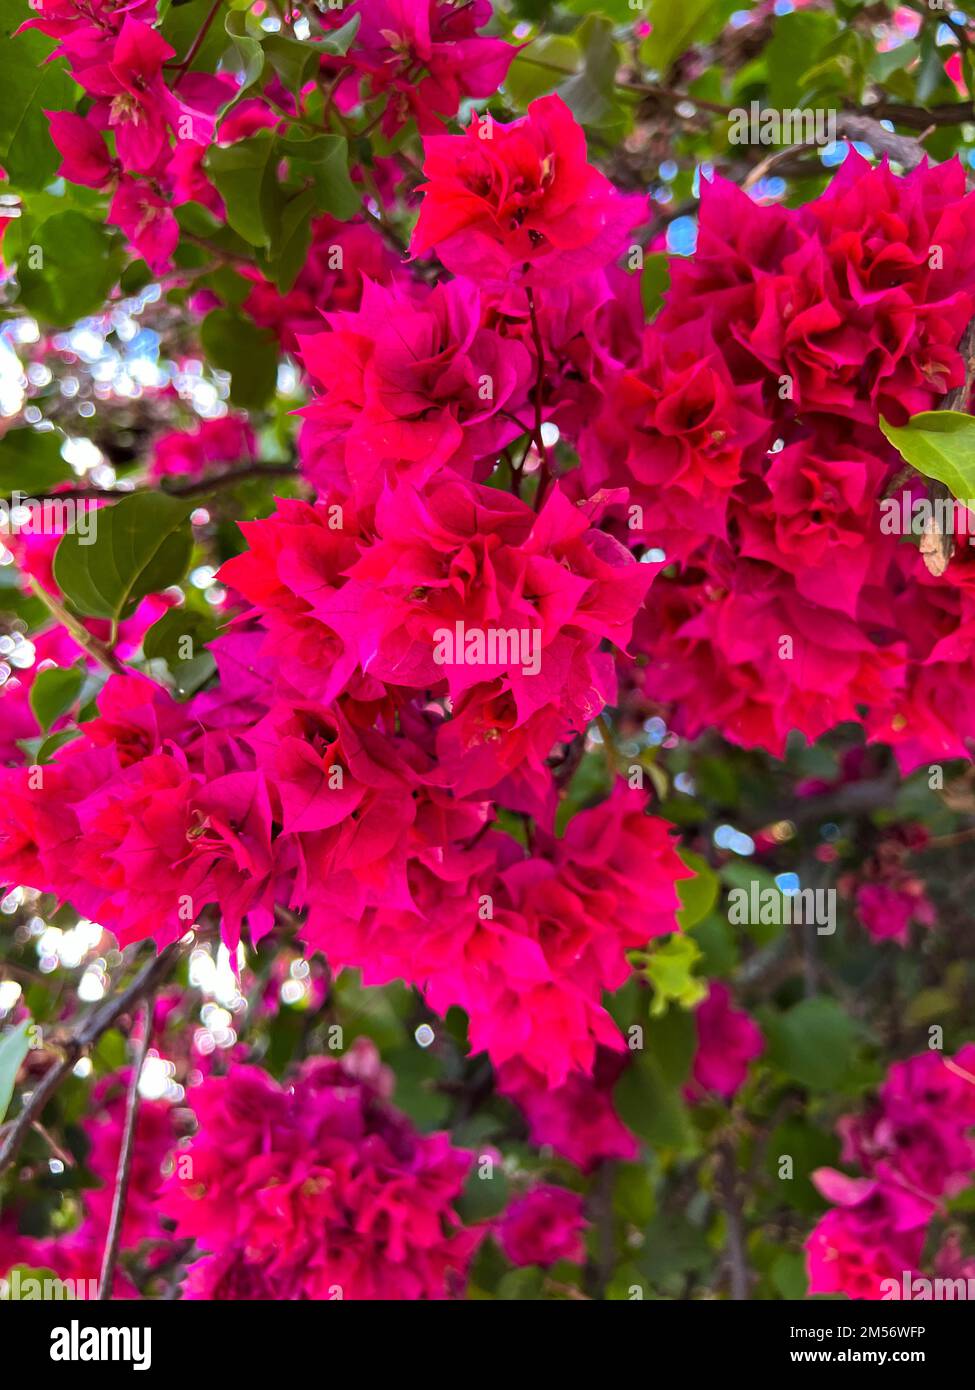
x=919 y=117
x=123 y=1172
x=851 y=799
x=198 y=486
x=600 y=1267
x=183 y=65
x=907 y=150
x=937 y=546
x=957 y=399
x=731 y=1205
x=904 y=148
x=230 y=478
x=86 y=640
x=87 y=1033
x=545 y=474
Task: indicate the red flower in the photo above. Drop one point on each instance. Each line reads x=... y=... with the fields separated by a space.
x=85 y=157
x=505 y=198
x=132 y=96
x=320 y=1190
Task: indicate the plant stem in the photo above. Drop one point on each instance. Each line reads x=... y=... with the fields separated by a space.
x=184 y=66
x=88 y=642
x=85 y=1036
x=124 y=1170
x=545 y=474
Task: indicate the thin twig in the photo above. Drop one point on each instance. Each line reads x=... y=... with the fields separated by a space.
x=907 y=150
x=86 y=640
x=124 y=1171
x=851 y=799
x=957 y=837
x=545 y=474
x=183 y=67
x=937 y=546
x=731 y=1204
x=87 y=1033
x=600 y=1267
x=197 y=487
x=920 y=117
x=957 y=398
x=53 y=1145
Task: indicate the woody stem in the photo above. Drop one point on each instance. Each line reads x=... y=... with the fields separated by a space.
x=545 y=474
x=124 y=1170
x=184 y=64
x=88 y=642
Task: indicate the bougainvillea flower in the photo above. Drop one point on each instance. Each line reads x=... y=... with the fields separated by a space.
x=503 y=200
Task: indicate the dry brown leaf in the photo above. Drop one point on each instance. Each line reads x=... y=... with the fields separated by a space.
x=934 y=552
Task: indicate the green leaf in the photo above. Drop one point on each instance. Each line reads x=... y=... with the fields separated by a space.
x=179 y=638
x=291 y=245
x=135 y=277
x=54 y=691
x=633 y=1194
x=940 y=444
x=797 y=41
x=698 y=894
x=931 y=69
x=809 y=1145
x=325 y=158
x=200 y=221
x=673 y=1246
x=339 y=41
x=672 y=1042
x=654 y=282
x=179 y=635
x=69 y=270
x=590 y=783
x=888 y=68
x=620 y=10
x=669 y=968
x=814 y=1043
x=291 y=59
x=30 y=85
x=541 y=67
x=248 y=54
x=141 y=546
x=650 y=1106
x=522 y=1285
x=483 y=1197
x=228 y=285
x=50 y=746
x=189 y=676
x=31 y=462
x=716 y=940
x=14 y=1047
x=788 y=1275
x=236 y=345
x=676 y=23
x=417 y=1075
x=246 y=178
x=591 y=93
